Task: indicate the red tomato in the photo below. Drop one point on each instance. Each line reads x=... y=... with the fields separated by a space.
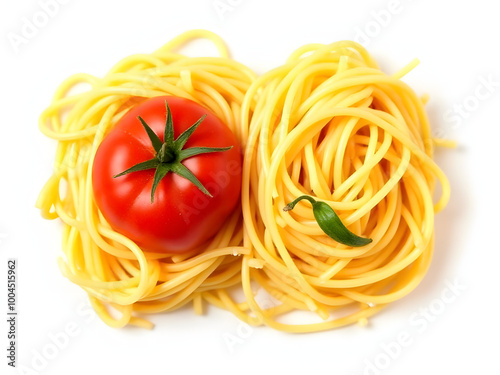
x=181 y=216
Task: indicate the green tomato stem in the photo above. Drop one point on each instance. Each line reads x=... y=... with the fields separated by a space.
x=166 y=154
x=170 y=154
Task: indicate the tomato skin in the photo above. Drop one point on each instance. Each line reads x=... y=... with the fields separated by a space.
x=181 y=217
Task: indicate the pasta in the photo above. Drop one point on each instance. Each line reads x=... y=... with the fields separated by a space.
x=328 y=123
x=111 y=268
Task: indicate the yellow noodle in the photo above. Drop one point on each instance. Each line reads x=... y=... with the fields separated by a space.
x=330 y=124
x=112 y=269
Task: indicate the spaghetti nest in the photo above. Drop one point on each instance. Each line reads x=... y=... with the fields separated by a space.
x=328 y=124
x=111 y=268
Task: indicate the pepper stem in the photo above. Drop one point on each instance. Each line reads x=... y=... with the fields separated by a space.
x=290 y=206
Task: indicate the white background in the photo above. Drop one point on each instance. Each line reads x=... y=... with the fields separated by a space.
x=453 y=331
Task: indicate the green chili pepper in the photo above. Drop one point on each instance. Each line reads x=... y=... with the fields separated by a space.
x=330 y=223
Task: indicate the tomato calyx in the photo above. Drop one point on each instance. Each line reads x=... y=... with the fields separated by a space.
x=170 y=154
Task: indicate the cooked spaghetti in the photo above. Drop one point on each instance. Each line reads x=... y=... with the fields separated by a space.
x=328 y=123
x=111 y=268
